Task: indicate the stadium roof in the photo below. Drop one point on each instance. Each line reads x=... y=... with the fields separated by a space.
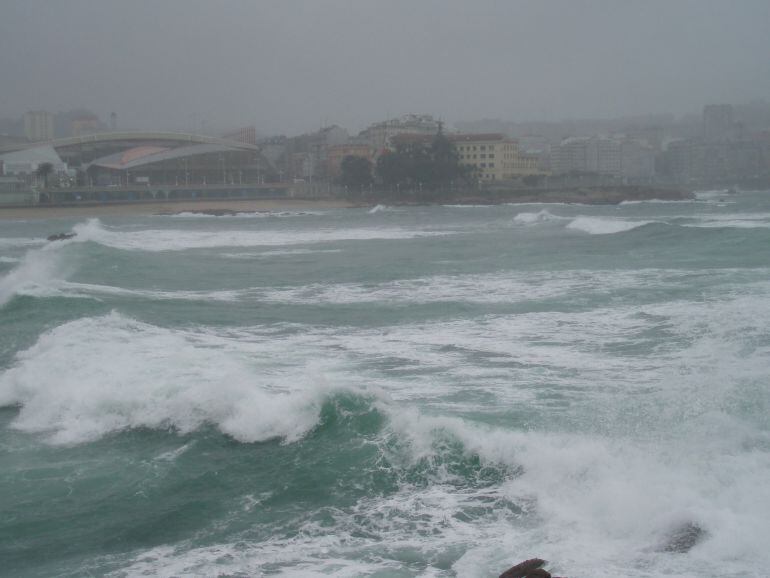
x=146 y=155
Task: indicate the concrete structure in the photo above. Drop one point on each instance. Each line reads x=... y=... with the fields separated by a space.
x=493 y=157
x=247 y=134
x=38 y=125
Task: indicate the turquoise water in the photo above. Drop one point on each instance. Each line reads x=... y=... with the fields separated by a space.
x=422 y=391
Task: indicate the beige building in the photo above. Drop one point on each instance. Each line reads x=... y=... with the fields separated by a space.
x=38 y=125
x=494 y=157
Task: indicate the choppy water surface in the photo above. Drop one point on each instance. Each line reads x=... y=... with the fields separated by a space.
x=427 y=391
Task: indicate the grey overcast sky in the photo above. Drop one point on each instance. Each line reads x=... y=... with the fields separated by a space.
x=290 y=65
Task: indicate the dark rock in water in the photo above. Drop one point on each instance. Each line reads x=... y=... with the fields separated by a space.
x=214 y=212
x=527 y=568
x=60 y=236
x=683 y=538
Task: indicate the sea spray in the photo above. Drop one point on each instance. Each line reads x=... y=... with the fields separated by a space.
x=39 y=268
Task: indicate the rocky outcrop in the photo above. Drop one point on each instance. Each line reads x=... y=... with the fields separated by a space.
x=60 y=236
x=528 y=569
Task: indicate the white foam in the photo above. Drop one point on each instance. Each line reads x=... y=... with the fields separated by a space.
x=9 y=260
x=13 y=242
x=732 y=220
x=278 y=253
x=710 y=194
x=604 y=225
x=543 y=216
x=657 y=440
x=179 y=240
x=656 y=202
x=591 y=505
x=73 y=289
x=501 y=287
x=129 y=374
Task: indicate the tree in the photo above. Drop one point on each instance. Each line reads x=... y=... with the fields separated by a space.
x=532 y=180
x=422 y=164
x=44 y=170
x=356 y=172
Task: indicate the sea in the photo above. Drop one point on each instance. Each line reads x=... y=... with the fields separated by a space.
x=390 y=391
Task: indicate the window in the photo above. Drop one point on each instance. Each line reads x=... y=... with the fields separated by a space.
x=483 y=156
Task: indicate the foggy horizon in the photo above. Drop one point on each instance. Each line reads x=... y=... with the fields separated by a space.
x=291 y=68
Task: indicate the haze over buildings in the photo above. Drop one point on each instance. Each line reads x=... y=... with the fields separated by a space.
x=292 y=67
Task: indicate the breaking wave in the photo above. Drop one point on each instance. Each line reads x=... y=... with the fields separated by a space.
x=180 y=240
x=604 y=225
x=156 y=378
x=543 y=216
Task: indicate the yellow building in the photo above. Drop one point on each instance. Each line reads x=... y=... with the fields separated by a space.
x=493 y=157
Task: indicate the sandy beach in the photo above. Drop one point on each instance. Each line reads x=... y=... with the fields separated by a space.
x=138 y=208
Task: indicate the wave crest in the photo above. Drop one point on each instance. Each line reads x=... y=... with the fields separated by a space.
x=604 y=225
x=96 y=376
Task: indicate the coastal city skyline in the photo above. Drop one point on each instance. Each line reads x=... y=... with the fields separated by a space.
x=77 y=156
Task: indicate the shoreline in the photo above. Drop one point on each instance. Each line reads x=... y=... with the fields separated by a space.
x=586 y=196
x=139 y=208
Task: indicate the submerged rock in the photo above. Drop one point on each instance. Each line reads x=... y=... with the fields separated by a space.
x=683 y=538
x=214 y=212
x=60 y=236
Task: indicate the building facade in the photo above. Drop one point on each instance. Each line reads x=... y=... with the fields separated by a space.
x=379 y=136
x=38 y=125
x=493 y=157
x=599 y=155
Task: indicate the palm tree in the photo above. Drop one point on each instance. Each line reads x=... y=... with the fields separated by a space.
x=44 y=170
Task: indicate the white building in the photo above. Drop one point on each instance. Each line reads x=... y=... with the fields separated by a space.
x=637 y=161
x=26 y=162
x=378 y=136
x=594 y=154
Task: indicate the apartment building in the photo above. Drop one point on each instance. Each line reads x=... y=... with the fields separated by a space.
x=493 y=156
